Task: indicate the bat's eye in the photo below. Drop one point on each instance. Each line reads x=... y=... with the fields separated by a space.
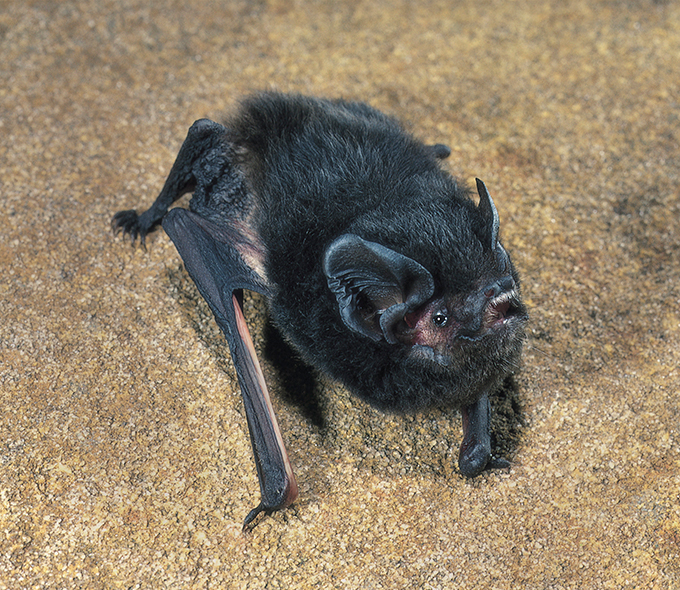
x=440 y=319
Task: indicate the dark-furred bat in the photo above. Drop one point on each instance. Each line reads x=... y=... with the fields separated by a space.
x=376 y=264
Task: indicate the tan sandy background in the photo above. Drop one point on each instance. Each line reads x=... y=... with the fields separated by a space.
x=124 y=457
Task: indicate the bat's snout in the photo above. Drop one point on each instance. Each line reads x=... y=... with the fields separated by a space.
x=497 y=288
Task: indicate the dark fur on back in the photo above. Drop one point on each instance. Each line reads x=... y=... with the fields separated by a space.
x=320 y=168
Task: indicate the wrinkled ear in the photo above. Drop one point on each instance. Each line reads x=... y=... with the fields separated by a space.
x=374 y=285
x=490 y=215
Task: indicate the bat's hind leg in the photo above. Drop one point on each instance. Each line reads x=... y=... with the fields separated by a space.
x=204 y=138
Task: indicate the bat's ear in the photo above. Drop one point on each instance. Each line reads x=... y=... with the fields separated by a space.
x=375 y=286
x=490 y=215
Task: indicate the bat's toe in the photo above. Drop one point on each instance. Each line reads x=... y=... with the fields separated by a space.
x=128 y=223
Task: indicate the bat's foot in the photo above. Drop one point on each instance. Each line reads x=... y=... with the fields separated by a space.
x=128 y=223
x=131 y=224
x=476 y=457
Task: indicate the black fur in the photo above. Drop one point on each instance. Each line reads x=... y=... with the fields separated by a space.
x=323 y=168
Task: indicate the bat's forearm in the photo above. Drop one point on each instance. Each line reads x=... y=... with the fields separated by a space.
x=277 y=480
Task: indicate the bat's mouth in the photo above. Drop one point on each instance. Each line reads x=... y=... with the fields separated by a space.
x=502 y=309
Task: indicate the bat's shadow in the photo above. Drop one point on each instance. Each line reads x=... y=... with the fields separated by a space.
x=298 y=382
x=508 y=419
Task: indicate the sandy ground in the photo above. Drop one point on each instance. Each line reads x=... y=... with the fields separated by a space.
x=123 y=445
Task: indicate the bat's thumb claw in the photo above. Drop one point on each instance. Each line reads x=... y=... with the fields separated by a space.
x=497 y=463
x=252 y=515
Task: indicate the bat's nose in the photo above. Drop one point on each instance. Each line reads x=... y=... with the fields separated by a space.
x=502 y=285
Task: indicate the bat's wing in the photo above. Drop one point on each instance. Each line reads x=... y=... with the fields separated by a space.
x=213 y=259
x=475 y=451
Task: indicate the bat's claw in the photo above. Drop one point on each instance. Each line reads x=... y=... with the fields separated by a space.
x=273 y=500
x=497 y=463
x=284 y=498
x=129 y=223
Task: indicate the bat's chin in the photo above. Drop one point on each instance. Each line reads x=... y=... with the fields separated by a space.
x=428 y=353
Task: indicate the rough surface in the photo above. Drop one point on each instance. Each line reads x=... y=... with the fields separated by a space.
x=124 y=454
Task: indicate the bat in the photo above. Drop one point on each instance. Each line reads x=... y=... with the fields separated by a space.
x=376 y=264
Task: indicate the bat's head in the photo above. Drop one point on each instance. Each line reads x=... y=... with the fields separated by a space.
x=462 y=316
